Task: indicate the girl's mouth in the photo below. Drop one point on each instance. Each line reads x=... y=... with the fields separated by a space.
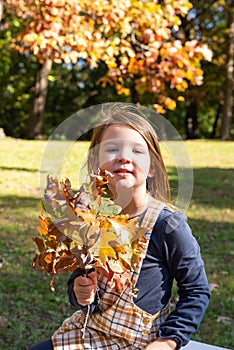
x=123 y=172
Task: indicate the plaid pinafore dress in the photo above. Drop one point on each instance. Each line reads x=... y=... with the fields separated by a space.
x=118 y=323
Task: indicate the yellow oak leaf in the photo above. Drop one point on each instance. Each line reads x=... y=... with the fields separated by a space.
x=126 y=230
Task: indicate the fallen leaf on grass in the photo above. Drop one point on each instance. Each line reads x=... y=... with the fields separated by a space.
x=224 y=319
x=3 y=321
x=214 y=286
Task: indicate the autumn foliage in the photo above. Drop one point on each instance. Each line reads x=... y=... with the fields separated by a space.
x=82 y=230
x=135 y=39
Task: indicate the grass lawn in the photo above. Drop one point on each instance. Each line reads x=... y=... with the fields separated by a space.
x=30 y=312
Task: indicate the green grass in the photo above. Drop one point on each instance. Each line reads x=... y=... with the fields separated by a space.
x=30 y=312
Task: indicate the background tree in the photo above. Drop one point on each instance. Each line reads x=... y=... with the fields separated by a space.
x=228 y=88
x=132 y=38
x=210 y=22
x=17 y=79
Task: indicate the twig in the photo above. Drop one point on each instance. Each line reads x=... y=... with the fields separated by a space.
x=85 y=321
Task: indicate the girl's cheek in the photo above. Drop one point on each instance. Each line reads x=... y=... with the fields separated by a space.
x=106 y=159
x=102 y=160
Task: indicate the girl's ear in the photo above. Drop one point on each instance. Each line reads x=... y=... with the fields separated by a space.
x=152 y=171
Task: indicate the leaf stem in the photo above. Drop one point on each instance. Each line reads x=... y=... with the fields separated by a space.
x=85 y=321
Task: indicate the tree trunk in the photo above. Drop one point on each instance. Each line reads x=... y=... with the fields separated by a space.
x=35 y=121
x=228 y=89
x=213 y=133
x=192 y=129
x=134 y=94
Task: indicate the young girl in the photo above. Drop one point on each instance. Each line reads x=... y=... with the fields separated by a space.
x=126 y=145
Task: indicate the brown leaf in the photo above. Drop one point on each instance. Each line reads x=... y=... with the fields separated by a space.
x=40 y=243
x=224 y=319
x=65 y=263
x=82 y=200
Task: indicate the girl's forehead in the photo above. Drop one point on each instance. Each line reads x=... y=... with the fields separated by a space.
x=120 y=131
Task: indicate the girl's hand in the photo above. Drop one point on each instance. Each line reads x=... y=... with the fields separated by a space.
x=85 y=288
x=162 y=344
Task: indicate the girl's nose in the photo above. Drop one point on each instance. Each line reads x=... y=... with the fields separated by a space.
x=123 y=160
x=124 y=156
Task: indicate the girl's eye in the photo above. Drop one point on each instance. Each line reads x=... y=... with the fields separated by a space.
x=111 y=150
x=138 y=150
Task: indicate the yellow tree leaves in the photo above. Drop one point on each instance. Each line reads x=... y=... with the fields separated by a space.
x=134 y=38
x=81 y=230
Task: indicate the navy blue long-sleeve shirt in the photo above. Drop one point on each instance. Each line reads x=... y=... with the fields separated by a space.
x=173 y=254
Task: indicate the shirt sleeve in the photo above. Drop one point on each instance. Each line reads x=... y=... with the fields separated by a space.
x=182 y=255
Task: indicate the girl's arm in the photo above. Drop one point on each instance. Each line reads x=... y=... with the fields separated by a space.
x=162 y=344
x=182 y=255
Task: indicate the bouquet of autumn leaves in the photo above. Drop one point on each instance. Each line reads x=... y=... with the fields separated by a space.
x=84 y=230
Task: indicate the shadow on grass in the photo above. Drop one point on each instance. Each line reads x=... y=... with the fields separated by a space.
x=12 y=202
x=212 y=186
x=30 y=312
x=31 y=170
x=216 y=241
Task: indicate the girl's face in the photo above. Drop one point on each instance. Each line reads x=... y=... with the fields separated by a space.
x=124 y=153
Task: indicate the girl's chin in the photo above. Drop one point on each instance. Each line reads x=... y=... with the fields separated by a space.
x=124 y=182
x=124 y=188
x=120 y=185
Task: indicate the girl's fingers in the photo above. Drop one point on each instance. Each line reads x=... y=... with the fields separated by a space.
x=93 y=276
x=85 y=288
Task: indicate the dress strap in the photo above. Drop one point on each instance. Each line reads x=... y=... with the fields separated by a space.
x=152 y=213
x=149 y=220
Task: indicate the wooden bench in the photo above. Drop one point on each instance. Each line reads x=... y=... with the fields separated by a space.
x=194 y=345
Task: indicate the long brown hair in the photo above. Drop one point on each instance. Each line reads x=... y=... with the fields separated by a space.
x=130 y=115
